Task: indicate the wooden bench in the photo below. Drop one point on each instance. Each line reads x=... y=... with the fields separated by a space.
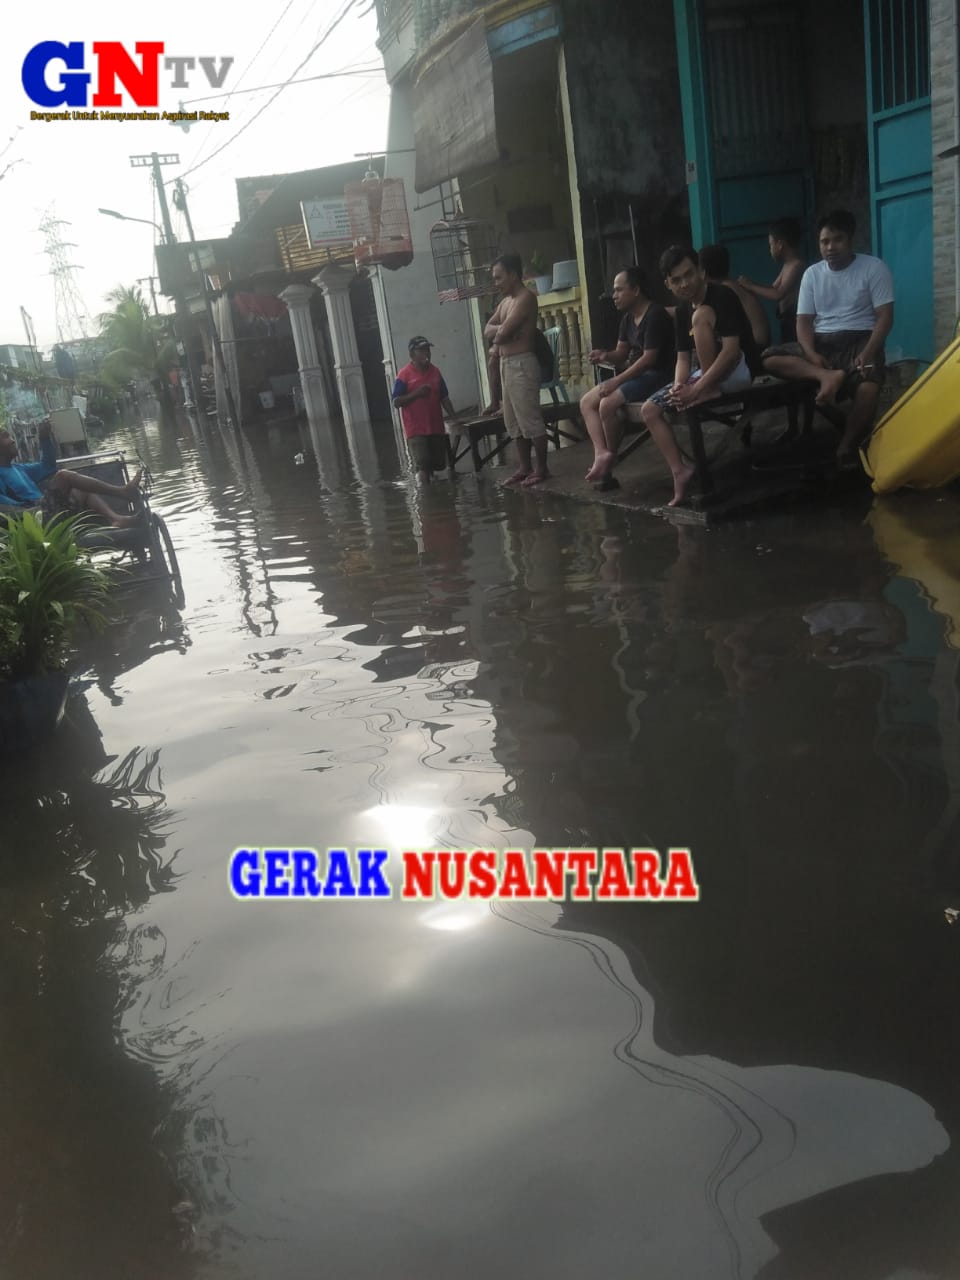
x=479 y=430
x=735 y=409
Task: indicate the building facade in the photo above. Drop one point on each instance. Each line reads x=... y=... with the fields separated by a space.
x=603 y=132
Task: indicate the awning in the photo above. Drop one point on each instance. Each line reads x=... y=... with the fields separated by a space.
x=454 y=124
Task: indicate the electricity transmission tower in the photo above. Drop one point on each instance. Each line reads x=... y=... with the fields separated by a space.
x=72 y=317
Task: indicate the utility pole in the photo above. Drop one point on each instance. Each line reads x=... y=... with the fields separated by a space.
x=180 y=200
x=153 y=293
x=154 y=161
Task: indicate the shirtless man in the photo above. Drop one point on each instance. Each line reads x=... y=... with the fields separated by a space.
x=511 y=330
x=784 y=239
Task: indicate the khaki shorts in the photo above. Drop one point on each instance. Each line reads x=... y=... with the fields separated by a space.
x=520 y=379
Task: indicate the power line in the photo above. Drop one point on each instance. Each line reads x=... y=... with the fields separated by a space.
x=327 y=75
x=326 y=35
x=247 y=68
x=222 y=167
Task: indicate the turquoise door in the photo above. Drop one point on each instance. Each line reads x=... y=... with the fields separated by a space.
x=694 y=108
x=745 y=133
x=901 y=161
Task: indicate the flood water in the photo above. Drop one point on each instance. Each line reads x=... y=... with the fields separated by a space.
x=761 y=1084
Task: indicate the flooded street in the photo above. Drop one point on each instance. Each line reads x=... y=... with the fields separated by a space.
x=761 y=1084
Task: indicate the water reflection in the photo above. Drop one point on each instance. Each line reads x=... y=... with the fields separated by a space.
x=761 y=1085
x=84 y=1190
x=782 y=1144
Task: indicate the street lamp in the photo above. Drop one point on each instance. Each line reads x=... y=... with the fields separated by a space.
x=125 y=217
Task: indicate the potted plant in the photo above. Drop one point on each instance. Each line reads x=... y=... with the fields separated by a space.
x=47 y=584
x=540 y=273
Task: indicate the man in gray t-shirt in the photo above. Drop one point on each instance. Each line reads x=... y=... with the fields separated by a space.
x=844 y=313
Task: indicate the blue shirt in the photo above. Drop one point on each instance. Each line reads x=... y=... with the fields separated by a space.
x=19 y=481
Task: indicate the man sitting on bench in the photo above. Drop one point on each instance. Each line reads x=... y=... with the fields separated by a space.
x=715 y=261
x=645 y=347
x=844 y=313
x=62 y=490
x=716 y=354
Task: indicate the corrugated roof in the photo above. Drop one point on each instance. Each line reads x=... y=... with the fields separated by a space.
x=274 y=201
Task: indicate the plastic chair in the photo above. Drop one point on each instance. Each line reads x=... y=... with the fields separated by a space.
x=554 y=384
x=560 y=410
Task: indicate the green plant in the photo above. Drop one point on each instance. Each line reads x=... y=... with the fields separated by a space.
x=138 y=342
x=537 y=266
x=47 y=584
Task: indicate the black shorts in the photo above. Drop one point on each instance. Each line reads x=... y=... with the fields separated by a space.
x=429 y=453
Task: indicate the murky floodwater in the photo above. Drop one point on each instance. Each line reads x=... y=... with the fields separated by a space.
x=761 y=1084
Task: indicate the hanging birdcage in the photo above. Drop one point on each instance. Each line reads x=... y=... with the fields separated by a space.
x=379 y=225
x=463 y=253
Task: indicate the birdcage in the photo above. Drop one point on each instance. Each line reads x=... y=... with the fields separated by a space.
x=379 y=223
x=463 y=252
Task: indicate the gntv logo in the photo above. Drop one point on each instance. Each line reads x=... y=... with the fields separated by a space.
x=55 y=74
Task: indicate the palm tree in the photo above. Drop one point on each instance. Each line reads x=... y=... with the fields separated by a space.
x=137 y=341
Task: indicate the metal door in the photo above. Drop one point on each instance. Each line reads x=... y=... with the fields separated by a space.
x=748 y=152
x=901 y=183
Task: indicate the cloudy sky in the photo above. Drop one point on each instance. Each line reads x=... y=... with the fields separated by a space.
x=76 y=167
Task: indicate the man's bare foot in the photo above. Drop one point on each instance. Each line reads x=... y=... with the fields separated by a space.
x=535 y=477
x=518 y=477
x=830 y=385
x=490 y=411
x=681 y=481
x=602 y=464
x=124 y=522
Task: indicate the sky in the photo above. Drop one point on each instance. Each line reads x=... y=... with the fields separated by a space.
x=75 y=167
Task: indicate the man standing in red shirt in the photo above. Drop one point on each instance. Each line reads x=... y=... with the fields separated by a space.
x=420 y=394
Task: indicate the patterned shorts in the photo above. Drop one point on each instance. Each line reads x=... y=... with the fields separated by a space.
x=840 y=351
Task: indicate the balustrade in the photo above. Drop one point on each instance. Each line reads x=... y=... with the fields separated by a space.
x=563 y=310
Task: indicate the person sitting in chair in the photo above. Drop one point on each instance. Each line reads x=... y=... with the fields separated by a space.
x=645 y=349
x=62 y=490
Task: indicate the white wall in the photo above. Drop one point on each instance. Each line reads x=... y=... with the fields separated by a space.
x=411 y=293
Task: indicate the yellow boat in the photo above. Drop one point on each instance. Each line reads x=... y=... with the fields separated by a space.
x=916 y=444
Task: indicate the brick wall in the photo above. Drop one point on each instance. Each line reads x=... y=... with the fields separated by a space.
x=946 y=173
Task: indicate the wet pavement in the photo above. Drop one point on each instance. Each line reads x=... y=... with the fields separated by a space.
x=763 y=1084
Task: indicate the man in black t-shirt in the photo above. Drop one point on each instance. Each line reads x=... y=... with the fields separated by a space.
x=645 y=355
x=716 y=353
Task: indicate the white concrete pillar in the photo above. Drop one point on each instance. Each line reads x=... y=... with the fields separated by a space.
x=297 y=297
x=334 y=282
x=386 y=342
x=223 y=319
